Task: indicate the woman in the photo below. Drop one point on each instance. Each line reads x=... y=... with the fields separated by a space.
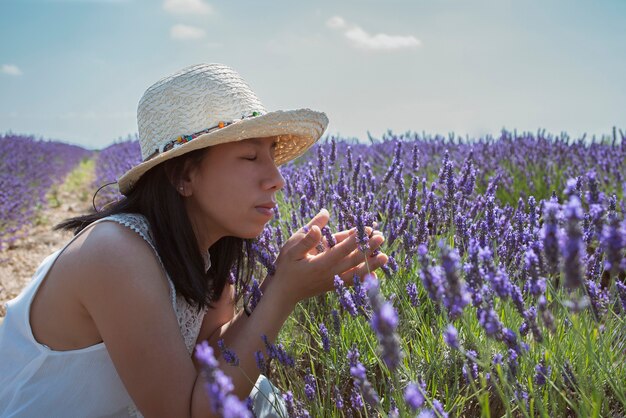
x=108 y=325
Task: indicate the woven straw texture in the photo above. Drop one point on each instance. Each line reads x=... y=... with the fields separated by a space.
x=199 y=97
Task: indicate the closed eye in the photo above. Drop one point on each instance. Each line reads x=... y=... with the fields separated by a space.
x=250 y=158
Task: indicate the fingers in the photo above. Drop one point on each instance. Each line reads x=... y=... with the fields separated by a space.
x=310 y=239
x=372 y=264
x=320 y=220
x=340 y=236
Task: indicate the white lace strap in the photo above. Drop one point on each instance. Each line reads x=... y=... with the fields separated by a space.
x=189 y=319
x=139 y=224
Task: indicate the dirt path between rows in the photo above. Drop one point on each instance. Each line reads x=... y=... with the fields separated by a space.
x=22 y=258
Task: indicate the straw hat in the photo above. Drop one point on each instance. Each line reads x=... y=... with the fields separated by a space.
x=210 y=104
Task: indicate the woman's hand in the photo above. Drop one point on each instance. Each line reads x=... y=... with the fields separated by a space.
x=302 y=271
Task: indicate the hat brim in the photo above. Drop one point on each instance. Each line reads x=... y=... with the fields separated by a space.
x=296 y=131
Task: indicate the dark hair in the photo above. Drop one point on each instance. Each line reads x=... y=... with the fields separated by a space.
x=155 y=197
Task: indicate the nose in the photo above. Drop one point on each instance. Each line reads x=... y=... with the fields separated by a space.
x=274 y=180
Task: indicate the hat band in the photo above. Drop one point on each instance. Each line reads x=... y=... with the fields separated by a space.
x=183 y=139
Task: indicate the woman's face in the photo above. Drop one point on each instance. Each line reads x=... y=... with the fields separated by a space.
x=232 y=191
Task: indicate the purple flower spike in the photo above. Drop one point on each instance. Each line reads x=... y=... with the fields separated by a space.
x=411 y=290
x=550 y=234
x=325 y=337
x=329 y=237
x=613 y=241
x=361 y=383
x=414 y=395
x=384 y=323
x=542 y=373
x=489 y=320
x=229 y=355
x=573 y=250
x=456 y=296
x=451 y=337
x=438 y=407
x=310 y=386
x=218 y=385
x=345 y=297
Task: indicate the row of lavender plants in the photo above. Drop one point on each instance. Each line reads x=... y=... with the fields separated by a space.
x=505 y=291
x=29 y=167
x=111 y=163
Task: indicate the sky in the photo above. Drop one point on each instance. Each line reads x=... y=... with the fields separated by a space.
x=74 y=70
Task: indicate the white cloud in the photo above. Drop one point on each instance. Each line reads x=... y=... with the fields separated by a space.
x=10 y=69
x=186 y=32
x=194 y=7
x=336 y=22
x=359 y=38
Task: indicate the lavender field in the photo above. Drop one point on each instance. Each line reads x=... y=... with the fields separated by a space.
x=505 y=293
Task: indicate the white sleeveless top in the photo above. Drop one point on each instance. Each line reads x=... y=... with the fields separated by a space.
x=36 y=381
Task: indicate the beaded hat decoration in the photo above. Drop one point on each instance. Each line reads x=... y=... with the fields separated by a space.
x=210 y=104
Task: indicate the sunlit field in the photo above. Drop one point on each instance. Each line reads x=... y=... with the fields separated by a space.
x=504 y=294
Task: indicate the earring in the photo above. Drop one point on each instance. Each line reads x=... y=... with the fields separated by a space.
x=181 y=189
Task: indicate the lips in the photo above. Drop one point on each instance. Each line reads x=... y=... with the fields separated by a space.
x=267 y=205
x=266 y=209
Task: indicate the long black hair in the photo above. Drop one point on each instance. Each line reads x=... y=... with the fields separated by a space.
x=155 y=197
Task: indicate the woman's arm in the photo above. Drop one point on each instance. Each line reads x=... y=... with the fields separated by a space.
x=299 y=275
x=125 y=291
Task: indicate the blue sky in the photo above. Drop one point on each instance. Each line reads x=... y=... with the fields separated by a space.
x=75 y=70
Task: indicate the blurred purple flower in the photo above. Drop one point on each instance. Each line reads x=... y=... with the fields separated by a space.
x=573 y=249
x=451 y=337
x=219 y=386
x=384 y=322
x=414 y=395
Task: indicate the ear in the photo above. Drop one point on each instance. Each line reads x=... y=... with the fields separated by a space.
x=181 y=177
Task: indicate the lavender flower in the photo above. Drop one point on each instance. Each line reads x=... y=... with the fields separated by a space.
x=325 y=337
x=229 y=355
x=219 y=386
x=278 y=352
x=356 y=400
x=536 y=285
x=489 y=320
x=310 y=386
x=329 y=237
x=345 y=298
x=361 y=383
x=362 y=238
x=613 y=242
x=438 y=408
x=384 y=322
x=456 y=296
x=338 y=398
x=432 y=277
x=260 y=361
x=253 y=294
x=542 y=373
x=598 y=298
x=451 y=337
x=289 y=403
x=550 y=234
x=414 y=395
x=411 y=290
x=573 y=249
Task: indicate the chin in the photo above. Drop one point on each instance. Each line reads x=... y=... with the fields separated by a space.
x=251 y=233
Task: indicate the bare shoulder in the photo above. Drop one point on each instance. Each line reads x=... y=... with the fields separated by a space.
x=123 y=288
